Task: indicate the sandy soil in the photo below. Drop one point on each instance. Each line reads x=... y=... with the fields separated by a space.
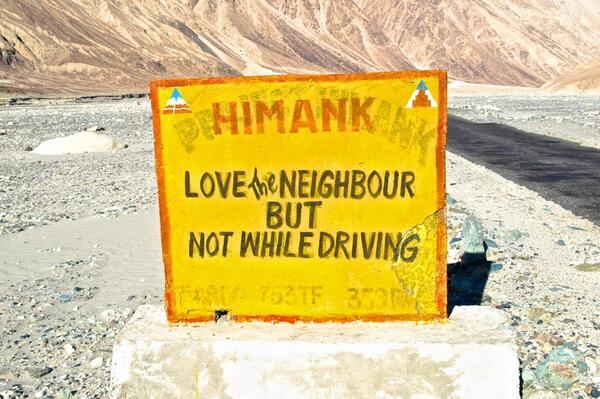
x=79 y=251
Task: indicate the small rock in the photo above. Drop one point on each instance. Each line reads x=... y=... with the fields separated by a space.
x=456 y=238
x=28 y=148
x=592 y=390
x=64 y=298
x=561 y=367
x=37 y=372
x=528 y=377
x=94 y=128
x=539 y=314
x=473 y=249
x=490 y=243
x=588 y=267
x=473 y=235
x=108 y=316
x=15 y=391
x=516 y=320
x=549 y=341
x=494 y=267
x=511 y=235
x=69 y=349
x=561 y=375
x=96 y=362
x=561 y=242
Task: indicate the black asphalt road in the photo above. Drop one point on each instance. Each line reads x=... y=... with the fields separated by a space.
x=560 y=171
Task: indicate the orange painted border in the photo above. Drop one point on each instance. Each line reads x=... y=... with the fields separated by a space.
x=441 y=273
x=442 y=269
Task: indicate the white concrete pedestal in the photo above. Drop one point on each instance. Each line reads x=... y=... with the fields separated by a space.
x=472 y=356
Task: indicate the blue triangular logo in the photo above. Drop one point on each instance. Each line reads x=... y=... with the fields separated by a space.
x=176 y=103
x=175 y=95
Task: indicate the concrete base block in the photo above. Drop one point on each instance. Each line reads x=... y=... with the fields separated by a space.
x=473 y=355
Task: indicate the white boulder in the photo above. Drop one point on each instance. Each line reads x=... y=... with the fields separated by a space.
x=77 y=143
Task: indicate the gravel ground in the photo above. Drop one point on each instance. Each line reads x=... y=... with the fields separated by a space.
x=36 y=190
x=58 y=324
x=53 y=342
x=544 y=272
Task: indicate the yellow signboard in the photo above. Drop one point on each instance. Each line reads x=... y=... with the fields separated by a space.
x=315 y=198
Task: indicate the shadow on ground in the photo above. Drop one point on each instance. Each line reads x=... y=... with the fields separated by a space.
x=466 y=283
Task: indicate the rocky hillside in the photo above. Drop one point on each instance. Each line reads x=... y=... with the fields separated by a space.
x=584 y=77
x=518 y=42
x=95 y=46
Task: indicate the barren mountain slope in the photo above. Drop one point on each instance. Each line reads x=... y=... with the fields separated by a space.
x=89 y=45
x=94 y=46
x=518 y=42
x=585 y=77
x=283 y=35
x=105 y=45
